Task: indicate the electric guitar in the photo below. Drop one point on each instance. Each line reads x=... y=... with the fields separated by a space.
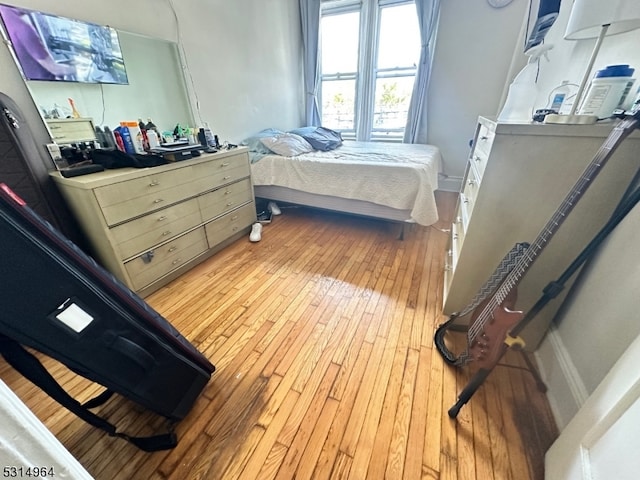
x=492 y=321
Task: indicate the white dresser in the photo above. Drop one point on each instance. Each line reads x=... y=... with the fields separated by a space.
x=516 y=177
x=149 y=225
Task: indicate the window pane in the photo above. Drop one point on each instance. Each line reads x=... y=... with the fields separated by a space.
x=339 y=47
x=338 y=104
x=392 y=102
x=399 y=44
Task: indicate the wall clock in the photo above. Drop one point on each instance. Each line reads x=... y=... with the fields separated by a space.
x=499 y=3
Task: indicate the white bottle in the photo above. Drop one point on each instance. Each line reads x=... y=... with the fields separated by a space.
x=523 y=91
x=608 y=90
x=154 y=141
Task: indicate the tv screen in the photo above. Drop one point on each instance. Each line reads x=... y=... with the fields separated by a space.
x=49 y=47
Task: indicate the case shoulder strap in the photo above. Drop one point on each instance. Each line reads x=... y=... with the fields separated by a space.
x=32 y=369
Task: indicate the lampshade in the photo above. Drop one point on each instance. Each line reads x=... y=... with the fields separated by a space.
x=588 y=16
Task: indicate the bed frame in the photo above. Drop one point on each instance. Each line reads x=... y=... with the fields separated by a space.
x=326 y=202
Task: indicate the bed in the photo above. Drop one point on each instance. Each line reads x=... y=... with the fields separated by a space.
x=383 y=180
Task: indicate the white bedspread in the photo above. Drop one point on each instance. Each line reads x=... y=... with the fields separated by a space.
x=402 y=176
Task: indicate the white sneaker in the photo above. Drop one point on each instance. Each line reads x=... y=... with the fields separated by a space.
x=256 y=232
x=273 y=208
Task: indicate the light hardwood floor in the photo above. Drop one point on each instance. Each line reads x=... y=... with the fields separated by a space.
x=322 y=338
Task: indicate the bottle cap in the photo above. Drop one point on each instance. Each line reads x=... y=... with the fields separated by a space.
x=615 y=71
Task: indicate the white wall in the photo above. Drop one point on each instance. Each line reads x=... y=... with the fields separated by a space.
x=473 y=56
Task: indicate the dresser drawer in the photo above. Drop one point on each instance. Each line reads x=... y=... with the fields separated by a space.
x=225 y=199
x=470 y=189
x=222 y=228
x=484 y=141
x=220 y=172
x=138 y=235
x=457 y=237
x=124 y=200
x=479 y=161
x=153 y=264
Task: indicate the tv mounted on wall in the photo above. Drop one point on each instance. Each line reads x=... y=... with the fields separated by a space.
x=54 y=48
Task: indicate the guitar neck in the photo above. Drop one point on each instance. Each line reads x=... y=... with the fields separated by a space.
x=619 y=133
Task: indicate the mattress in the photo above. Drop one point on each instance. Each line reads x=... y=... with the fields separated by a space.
x=398 y=176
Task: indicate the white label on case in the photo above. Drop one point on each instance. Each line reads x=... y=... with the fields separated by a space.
x=75 y=317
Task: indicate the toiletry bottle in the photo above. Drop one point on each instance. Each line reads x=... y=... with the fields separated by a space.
x=523 y=91
x=118 y=139
x=608 y=90
x=125 y=133
x=136 y=136
x=153 y=139
x=109 y=137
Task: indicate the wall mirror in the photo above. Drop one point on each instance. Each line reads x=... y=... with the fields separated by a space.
x=156 y=89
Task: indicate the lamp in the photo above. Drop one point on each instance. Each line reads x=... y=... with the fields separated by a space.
x=596 y=19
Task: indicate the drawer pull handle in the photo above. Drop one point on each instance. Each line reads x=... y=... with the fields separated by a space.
x=458 y=219
x=158 y=200
x=162 y=218
x=225 y=164
x=484 y=137
x=229 y=204
x=154 y=183
x=227 y=192
x=227 y=177
x=466 y=201
x=235 y=217
x=166 y=233
x=455 y=236
x=477 y=158
x=234 y=229
x=172 y=249
x=471 y=183
x=176 y=261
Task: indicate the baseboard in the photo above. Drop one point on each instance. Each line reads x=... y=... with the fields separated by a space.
x=449 y=183
x=566 y=391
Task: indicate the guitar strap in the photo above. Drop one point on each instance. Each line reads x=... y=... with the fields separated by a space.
x=502 y=270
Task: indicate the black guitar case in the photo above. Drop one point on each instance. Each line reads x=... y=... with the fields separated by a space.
x=19 y=155
x=57 y=300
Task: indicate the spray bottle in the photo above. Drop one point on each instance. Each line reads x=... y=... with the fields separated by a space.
x=523 y=91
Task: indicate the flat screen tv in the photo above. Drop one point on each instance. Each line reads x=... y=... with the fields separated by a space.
x=49 y=47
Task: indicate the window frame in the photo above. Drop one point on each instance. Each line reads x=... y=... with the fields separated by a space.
x=368 y=72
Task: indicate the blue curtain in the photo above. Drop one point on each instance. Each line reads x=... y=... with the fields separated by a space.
x=416 y=128
x=310 y=16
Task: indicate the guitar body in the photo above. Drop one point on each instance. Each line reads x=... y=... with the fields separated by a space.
x=488 y=345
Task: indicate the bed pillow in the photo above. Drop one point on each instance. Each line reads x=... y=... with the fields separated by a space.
x=320 y=138
x=254 y=143
x=287 y=144
x=257 y=150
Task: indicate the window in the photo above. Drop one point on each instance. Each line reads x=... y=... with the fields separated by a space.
x=369 y=52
